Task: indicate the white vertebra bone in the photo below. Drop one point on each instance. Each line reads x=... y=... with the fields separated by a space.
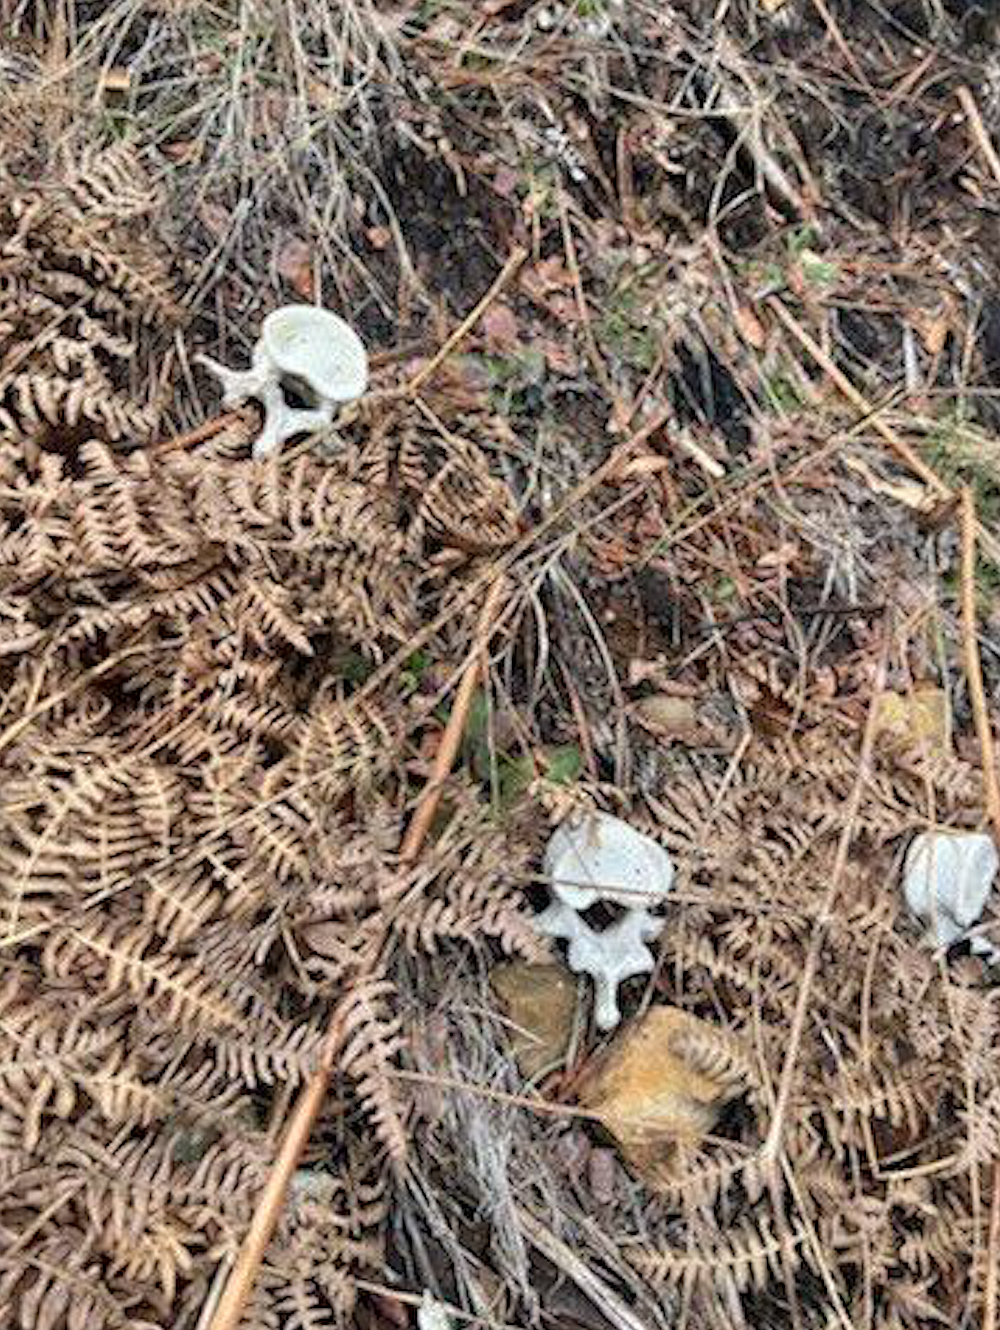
x=947 y=879
x=604 y=859
x=301 y=349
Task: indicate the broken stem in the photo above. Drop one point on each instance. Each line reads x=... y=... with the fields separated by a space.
x=239 y=1286
x=468 y=323
x=899 y=446
x=982 y=140
x=973 y=664
x=444 y=760
x=240 y=1283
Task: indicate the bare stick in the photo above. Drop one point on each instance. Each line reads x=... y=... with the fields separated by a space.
x=444 y=760
x=468 y=323
x=899 y=446
x=973 y=664
x=240 y=1284
x=604 y=1298
x=982 y=140
x=200 y=434
x=993 y=1256
x=772 y=1144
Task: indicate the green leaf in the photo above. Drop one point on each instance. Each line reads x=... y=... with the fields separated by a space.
x=563 y=764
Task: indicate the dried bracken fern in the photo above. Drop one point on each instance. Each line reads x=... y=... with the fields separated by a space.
x=79 y=270
x=201 y=801
x=891 y=1120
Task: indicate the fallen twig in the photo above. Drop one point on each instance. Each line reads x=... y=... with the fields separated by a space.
x=899 y=446
x=200 y=434
x=241 y=1282
x=468 y=323
x=617 y=1311
x=993 y=1255
x=973 y=664
x=980 y=137
x=416 y=832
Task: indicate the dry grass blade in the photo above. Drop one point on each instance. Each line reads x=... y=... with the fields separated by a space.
x=857 y=399
x=980 y=137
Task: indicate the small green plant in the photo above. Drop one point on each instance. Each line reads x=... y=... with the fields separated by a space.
x=781 y=393
x=816 y=270
x=510 y=774
x=413 y=671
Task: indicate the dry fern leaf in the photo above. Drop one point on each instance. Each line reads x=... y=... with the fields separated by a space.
x=461 y=503
x=749 y=1253
x=116 y=959
x=372 y=1040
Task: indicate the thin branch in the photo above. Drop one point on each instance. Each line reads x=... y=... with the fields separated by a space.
x=990 y=1300
x=198 y=435
x=982 y=140
x=899 y=446
x=468 y=323
x=444 y=760
x=241 y=1282
x=973 y=664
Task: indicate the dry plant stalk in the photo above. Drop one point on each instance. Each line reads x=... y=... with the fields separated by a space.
x=973 y=664
x=857 y=399
x=241 y=1281
x=508 y=270
x=980 y=137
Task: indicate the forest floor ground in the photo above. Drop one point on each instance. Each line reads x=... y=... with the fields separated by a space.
x=737 y=274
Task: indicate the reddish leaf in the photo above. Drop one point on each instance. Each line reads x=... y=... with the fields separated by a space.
x=294 y=264
x=500 y=330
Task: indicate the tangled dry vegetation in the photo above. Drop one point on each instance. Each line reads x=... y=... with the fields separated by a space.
x=223 y=681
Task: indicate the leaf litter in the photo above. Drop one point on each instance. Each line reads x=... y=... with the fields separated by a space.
x=716 y=425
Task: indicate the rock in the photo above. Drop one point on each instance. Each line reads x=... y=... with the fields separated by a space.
x=649 y=1095
x=539 y=1001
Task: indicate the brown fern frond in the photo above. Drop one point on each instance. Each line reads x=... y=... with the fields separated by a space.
x=749 y=1253
x=372 y=1041
x=116 y=960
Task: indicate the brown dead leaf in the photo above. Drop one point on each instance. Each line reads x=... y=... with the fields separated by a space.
x=750 y=327
x=214 y=218
x=182 y=151
x=919 y=717
x=648 y=1096
x=781 y=558
x=542 y=278
x=505 y=181
x=560 y=357
x=501 y=333
x=294 y=264
x=668 y=717
x=933 y=327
